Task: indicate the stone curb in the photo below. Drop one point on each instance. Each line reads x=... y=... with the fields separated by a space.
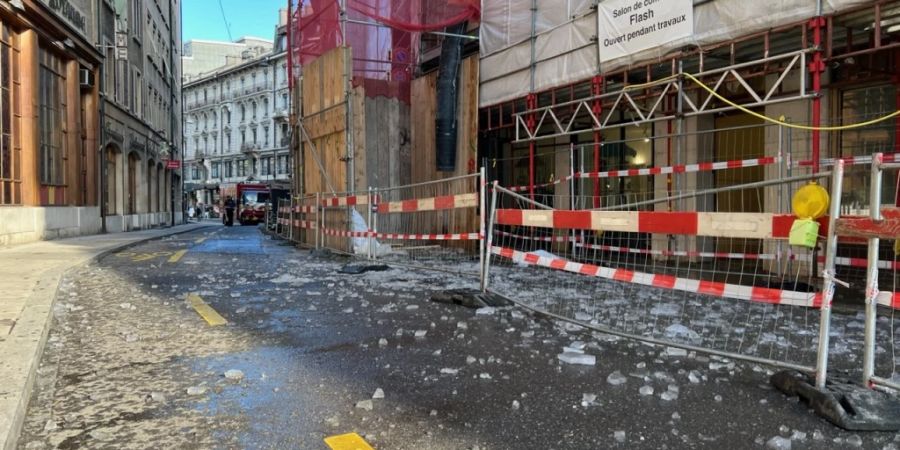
x=29 y=336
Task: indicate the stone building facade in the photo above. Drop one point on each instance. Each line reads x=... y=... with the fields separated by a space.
x=236 y=125
x=141 y=129
x=48 y=120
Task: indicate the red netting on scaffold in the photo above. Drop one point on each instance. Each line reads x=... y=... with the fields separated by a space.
x=383 y=36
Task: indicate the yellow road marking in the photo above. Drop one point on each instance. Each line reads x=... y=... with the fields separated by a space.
x=174 y=258
x=206 y=312
x=349 y=441
x=200 y=241
x=138 y=257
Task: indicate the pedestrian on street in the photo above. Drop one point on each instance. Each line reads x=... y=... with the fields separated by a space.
x=229 y=211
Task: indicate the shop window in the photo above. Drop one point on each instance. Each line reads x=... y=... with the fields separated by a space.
x=859 y=105
x=52 y=118
x=10 y=149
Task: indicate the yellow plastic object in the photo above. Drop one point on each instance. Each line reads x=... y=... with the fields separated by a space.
x=810 y=201
x=897 y=247
x=804 y=233
x=349 y=441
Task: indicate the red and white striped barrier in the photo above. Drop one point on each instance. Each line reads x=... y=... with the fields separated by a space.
x=839 y=261
x=429 y=237
x=430 y=204
x=732 y=225
x=713 y=288
x=350 y=200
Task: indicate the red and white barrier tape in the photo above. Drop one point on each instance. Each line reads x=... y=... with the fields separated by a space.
x=562 y=238
x=342 y=233
x=406 y=237
x=307 y=224
x=429 y=237
x=681 y=168
x=306 y=209
x=714 y=288
x=469 y=200
x=849 y=160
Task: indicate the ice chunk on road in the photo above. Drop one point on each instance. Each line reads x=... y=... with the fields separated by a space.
x=382 y=342
x=588 y=400
x=516 y=405
x=779 y=443
x=678 y=331
x=234 y=375
x=421 y=333
x=196 y=390
x=676 y=352
x=666 y=309
x=577 y=358
x=694 y=377
x=619 y=436
x=616 y=378
x=485 y=311
x=288 y=278
x=646 y=390
x=378 y=393
x=449 y=371
x=365 y=404
x=854 y=440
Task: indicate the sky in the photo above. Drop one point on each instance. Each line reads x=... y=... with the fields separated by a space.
x=202 y=19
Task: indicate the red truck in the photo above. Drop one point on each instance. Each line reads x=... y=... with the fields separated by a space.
x=250 y=199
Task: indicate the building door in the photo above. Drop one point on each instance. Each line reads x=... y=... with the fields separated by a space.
x=132 y=183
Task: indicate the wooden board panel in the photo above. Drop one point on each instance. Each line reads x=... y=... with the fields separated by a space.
x=423 y=150
x=358 y=127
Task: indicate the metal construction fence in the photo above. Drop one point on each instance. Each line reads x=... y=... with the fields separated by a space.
x=432 y=225
x=882 y=292
x=681 y=278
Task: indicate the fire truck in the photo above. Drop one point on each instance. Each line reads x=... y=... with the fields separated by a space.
x=250 y=200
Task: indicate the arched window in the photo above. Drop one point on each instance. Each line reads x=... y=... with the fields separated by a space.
x=243 y=113
x=253 y=110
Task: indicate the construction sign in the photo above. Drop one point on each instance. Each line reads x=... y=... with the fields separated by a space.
x=630 y=26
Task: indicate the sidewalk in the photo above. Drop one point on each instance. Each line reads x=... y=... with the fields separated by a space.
x=29 y=277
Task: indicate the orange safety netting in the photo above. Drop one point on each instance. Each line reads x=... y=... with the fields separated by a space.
x=383 y=36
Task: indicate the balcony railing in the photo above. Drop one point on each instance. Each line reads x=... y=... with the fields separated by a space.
x=249 y=147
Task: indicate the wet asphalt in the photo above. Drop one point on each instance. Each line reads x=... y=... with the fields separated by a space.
x=130 y=364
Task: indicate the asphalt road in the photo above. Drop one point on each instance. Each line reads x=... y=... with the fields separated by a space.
x=131 y=363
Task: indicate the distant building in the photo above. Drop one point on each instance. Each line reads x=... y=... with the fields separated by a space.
x=202 y=57
x=236 y=123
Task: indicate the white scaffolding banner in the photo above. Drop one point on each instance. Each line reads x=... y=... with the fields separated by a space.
x=629 y=26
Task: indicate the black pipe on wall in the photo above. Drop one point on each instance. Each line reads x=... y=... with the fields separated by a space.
x=446 y=120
